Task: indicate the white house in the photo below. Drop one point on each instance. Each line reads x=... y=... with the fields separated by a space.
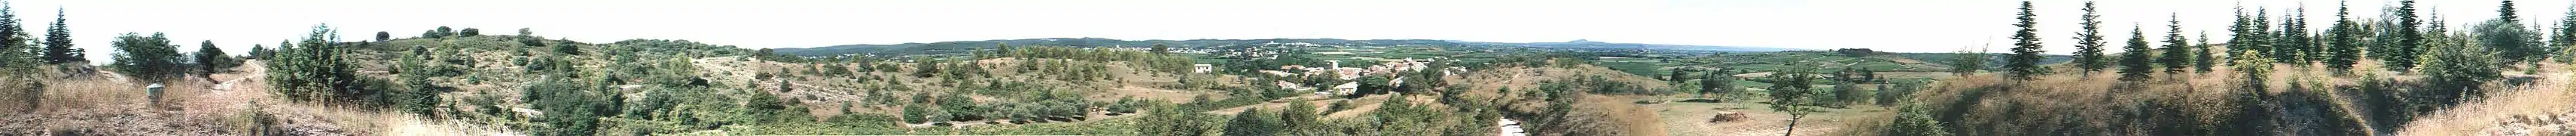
x=1346 y=88
x=1201 y=68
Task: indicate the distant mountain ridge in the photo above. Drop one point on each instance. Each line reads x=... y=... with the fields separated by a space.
x=963 y=46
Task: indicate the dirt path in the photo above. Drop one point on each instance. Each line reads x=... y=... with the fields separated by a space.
x=240 y=88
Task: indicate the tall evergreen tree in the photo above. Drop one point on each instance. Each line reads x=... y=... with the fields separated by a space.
x=9 y=26
x=2202 y=60
x=2401 y=54
x=2343 y=41
x=2247 y=35
x=2509 y=38
x=2023 y=64
x=2088 y=48
x=2565 y=40
x=2177 y=50
x=2265 y=38
x=15 y=55
x=58 y=41
x=2134 y=65
x=2292 y=42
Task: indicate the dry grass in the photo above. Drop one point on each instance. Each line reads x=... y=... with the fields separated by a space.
x=2076 y=101
x=1691 y=118
x=1618 y=115
x=2083 y=99
x=2551 y=96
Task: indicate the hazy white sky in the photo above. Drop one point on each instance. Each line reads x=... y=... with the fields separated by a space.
x=1894 y=25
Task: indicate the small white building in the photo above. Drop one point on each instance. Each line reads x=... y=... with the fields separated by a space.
x=1201 y=68
x=1346 y=88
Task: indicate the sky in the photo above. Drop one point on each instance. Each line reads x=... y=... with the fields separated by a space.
x=1887 y=25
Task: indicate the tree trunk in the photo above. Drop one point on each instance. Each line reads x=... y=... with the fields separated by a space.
x=1793 y=125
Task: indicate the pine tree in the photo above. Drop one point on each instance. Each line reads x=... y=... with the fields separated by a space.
x=382 y=36
x=58 y=41
x=2565 y=40
x=17 y=56
x=2023 y=64
x=2247 y=35
x=2456 y=69
x=9 y=26
x=2507 y=36
x=2134 y=65
x=2292 y=44
x=2343 y=45
x=2177 y=50
x=2088 y=51
x=2401 y=54
x=2265 y=39
x=2202 y=59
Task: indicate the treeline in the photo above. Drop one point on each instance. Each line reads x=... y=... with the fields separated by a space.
x=21 y=56
x=2454 y=65
x=2402 y=42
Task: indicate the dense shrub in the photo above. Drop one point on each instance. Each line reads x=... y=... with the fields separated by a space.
x=1253 y=122
x=569 y=107
x=1916 y=120
x=150 y=58
x=1167 y=120
x=469 y=32
x=315 y=70
x=915 y=114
